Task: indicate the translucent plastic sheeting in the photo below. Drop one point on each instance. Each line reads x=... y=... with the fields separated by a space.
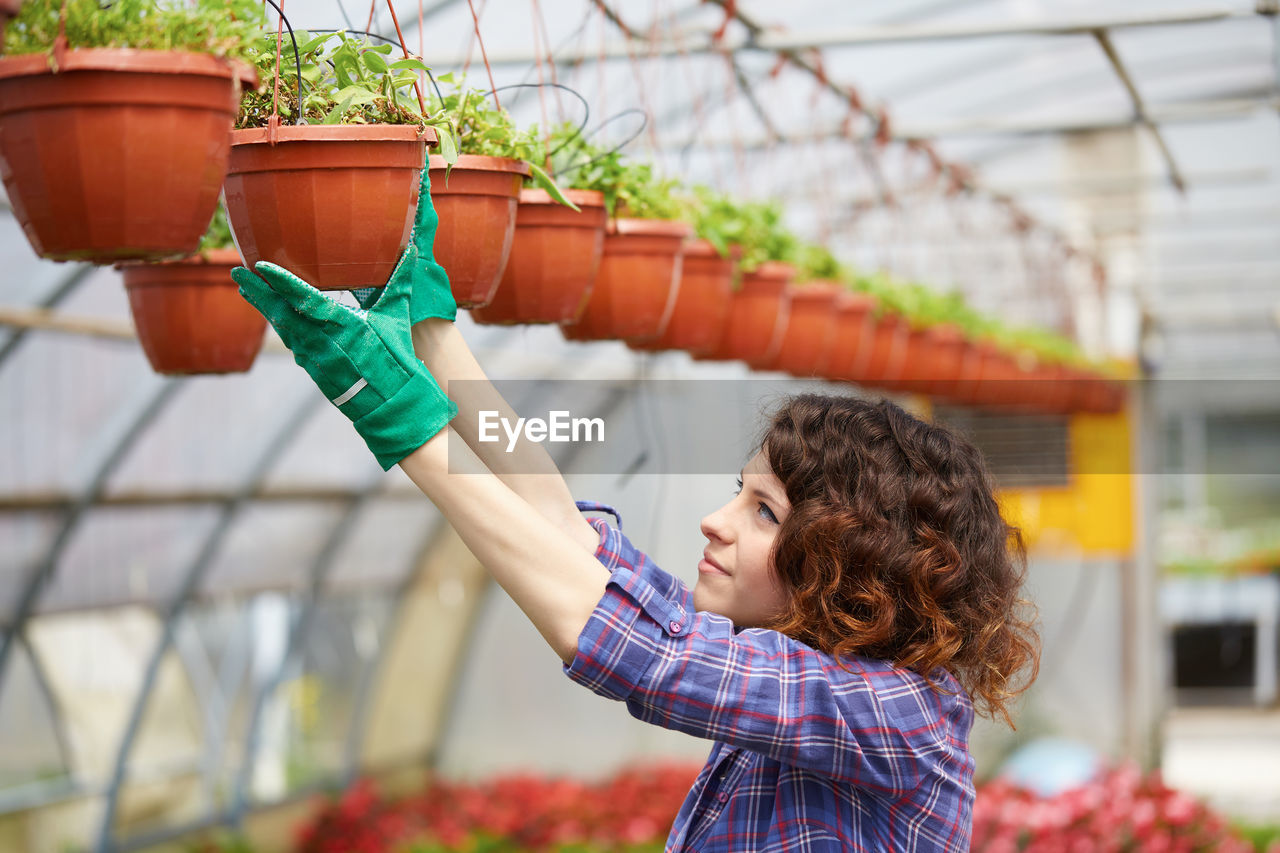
x=271 y=546
x=385 y=543
x=127 y=555
x=210 y=435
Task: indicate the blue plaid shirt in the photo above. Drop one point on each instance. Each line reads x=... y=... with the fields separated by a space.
x=807 y=755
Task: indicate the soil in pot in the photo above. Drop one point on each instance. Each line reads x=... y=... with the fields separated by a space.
x=638 y=282
x=758 y=313
x=333 y=204
x=190 y=315
x=555 y=256
x=120 y=154
x=477 y=209
x=702 y=302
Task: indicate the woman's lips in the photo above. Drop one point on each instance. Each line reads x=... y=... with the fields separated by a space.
x=709 y=566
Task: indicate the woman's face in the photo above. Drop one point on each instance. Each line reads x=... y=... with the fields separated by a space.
x=736 y=576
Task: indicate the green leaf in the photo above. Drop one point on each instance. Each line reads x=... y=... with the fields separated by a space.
x=410 y=64
x=314 y=43
x=353 y=95
x=447 y=77
x=542 y=179
x=448 y=148
x=374 y=62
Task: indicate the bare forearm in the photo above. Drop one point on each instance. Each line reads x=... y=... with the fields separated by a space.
x=544 y=570
x=527 y=468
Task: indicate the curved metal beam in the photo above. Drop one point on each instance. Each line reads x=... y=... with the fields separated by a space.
x=285 y=432
x=317 y=576
x=60 y=292
x=58 y=719
x=151 y=406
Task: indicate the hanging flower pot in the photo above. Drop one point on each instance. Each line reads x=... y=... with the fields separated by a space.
x=702 y=301
x=333 y=204
x=477 y=208
x=119 y=154
x=855 y=324
x=882 y=362
x=555 y=256
x=758 y=313
x=935 y=357
x=810 y=331
x=638 y=282
x=190 y=315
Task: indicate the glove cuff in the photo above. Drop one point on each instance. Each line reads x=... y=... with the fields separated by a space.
x=407 y=420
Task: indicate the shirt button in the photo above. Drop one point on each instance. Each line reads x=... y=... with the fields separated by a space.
x=675 y=627
x=722 y=797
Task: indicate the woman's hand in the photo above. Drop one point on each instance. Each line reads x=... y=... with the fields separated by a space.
x=363 y=361
x=427 y=282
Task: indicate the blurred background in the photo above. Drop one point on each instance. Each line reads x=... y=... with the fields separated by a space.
x=215 y=606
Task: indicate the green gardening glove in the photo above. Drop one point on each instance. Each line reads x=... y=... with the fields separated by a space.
x=363 y=361
x=427 y=280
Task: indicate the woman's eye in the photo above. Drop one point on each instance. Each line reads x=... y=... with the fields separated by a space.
x=738 y=491
x=767 y=513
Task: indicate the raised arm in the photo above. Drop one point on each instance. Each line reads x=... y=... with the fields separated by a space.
x=527 y=469
x=364 y=363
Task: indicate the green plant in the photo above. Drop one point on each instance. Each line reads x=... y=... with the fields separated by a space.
x=756 y=227
x=218 y=235
x=816 y=263
x=630 y=189
x=218 y=27
x=344 y=80
x=489 y=131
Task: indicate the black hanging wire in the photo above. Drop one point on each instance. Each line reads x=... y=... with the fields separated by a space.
x=624 y=143
x=297 y=60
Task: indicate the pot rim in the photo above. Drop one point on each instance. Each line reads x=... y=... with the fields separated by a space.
x=207 y=257
x=699 y=247
x=632 y=226
x=813 y=291
x=128 y=60
x=333 y=133
x=849 y=300
x=481 y=163
x=773 y=270
x=582 y=198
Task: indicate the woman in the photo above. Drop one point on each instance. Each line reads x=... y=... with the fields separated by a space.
x=855 y=598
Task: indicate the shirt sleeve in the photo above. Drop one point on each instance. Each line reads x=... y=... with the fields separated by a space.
x=870 y=724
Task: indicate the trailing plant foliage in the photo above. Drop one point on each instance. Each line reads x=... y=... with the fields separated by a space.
x=756 y=227
x=218 y=235
x=217 y=27
x=630 y=189
x=479 y=126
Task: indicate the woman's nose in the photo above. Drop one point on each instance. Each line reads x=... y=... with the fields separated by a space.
x=715 y=525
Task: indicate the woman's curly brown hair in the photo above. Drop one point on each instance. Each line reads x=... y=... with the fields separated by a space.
x=895 y=547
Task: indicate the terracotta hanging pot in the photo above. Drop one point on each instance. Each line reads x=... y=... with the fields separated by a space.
x=885 y=354
x=333 y=204
x=811 y=329
x=855 y=324
x=477 y=208
x=758 y=313
x=190 y=315
x=933 y=362
x=638 y=282
x=1002 y=383
x=702 y=301
x=555 y=256
x=963 y=386
x=120 y=154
